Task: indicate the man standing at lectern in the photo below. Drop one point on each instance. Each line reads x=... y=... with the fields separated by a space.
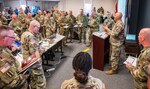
x=116 y=42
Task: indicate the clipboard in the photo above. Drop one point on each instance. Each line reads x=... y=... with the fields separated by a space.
x=29 y=65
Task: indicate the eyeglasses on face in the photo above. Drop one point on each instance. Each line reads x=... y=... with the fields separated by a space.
x=10 y=37
x=37 y=26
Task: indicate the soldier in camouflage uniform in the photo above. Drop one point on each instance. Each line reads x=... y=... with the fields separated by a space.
x=82 y=19
x=16 y=25
x=100 y=13
x=138 y=73
x=31 y=50
x=40 y=18
x=97 y=16
x=28 y=20
x=62 y=21
x=71 y=21
x=82 y=64
x=49 y=24
x=56 y=15
x=94 y=26
x=21 y=18
x=3 y=20
x=10 y=76
x=116 y=42
x=109 y=21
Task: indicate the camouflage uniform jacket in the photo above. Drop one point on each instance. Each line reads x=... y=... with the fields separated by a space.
x=49 y=23
x=29 y=44
x=110 y=23
x=94 y=23
x=9 y=70
x=71 y=20
x=27 y=22
x=117 y=34
x=56 y=16
x=92 y=83
x=16 y=25
x=62 y=21
x=40 y=19
x=3 y=20
x=138 y=72
x=82 y=19
x=21 y=18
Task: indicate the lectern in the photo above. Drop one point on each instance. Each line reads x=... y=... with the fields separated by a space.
x=100 y=50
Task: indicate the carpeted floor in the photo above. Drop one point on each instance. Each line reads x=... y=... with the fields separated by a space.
x=64 y=71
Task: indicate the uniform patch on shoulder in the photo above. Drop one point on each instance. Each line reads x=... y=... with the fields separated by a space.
x=5 y=68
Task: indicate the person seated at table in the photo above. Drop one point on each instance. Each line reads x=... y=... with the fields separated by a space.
x=82 y=64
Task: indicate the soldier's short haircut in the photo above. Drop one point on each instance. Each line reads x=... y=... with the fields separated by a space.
x=81 y=9
x=82 y=64
x=120 y=14
x=146 y=33
x=47 y=11
x=34 y=22
x=39 y=11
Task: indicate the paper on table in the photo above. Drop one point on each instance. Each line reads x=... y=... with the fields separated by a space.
x=102 y=35
x=132 y=60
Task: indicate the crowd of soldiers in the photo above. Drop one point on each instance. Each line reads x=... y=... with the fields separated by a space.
x=30 y=30
x=54 y=21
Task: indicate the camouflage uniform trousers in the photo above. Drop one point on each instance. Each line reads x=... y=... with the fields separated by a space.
x=63 y=32
x=90 y=33
x=115 y=52
x=37 y=77
x=69 y=31
x=82 y=34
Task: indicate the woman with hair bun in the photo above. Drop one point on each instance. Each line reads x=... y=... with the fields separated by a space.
x=82 y=64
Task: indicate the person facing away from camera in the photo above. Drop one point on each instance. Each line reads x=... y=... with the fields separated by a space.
x=82 y=64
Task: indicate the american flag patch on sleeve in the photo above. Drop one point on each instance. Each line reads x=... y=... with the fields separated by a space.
x=4 y=68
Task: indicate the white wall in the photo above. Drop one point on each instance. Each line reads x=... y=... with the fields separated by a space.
x=48 y=5
x=108 y=5
x=76 y=5
x=16 y=3
x=122 y=8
